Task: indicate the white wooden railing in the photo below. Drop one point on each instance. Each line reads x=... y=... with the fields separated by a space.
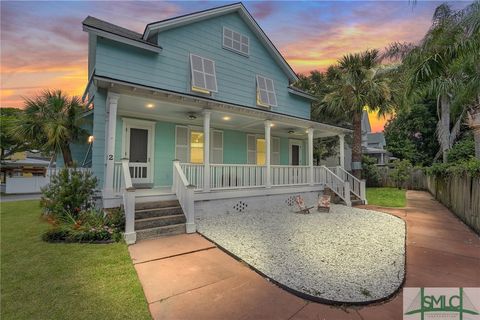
x=334 y=182
x=128 y=194
x=194 y=174
x=289 y=175
x=138 y=170
x=234 y=176
x=117 y=177
x=357 y=186
x=184 y=191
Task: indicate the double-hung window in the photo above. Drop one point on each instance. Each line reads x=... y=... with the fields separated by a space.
x=266 y=92
x=203 y=75
x=236 y=41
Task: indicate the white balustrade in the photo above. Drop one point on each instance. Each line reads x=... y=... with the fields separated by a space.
x=339 y=186
x=234 y=176
x=184 y=191
x=289 y=175
x=117 y=178
x=128 y=194
x=357 y=186
x=194 y=174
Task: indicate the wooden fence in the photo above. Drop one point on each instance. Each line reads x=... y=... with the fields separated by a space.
x=460 y=193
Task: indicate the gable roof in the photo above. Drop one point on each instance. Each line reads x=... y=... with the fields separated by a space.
x=238 y=7
x=376 y=138
x=114 y=32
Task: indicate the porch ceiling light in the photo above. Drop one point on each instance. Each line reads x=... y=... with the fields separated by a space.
x=291 y=131
x=272 y=124
x=226 y=118
x=192 y=117
x=149 y=105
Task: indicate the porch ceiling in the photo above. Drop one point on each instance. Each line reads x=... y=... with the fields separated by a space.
x=162 y=106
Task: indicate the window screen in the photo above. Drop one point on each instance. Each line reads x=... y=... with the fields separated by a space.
x=236 y=41
x=203 y=73
x=265 y=92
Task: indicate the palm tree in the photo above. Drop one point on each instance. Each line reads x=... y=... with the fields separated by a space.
x=445 y=65
x=51 y=122
x=358 y=82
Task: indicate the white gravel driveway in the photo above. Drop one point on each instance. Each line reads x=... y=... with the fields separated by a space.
x=347 y=255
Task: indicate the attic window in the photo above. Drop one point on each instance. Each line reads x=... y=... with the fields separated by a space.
x=236 y=41
x=204 y=79
x=266 y=92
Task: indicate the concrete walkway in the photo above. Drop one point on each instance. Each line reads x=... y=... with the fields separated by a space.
x=188 y=277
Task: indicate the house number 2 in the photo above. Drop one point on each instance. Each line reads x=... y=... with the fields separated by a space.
x=110 y=157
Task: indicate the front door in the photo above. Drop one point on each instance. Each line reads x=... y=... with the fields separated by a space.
x=295 y=155
x=138 y=150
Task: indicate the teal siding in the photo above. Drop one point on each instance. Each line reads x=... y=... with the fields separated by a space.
x=284 y=151
x=234 y=147
x=164 y=153
x=171 y=68
x=98 y=148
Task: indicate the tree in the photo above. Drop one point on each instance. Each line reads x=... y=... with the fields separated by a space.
x=9 y=142
x=358 y=82
x=51 y=122
x=446 y=65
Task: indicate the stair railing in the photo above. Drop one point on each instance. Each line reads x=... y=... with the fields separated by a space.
x=337 y=185
x=128 y=194
x=358 y=187
x=184 y=191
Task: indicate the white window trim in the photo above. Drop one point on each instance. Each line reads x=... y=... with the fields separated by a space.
x=259 y=102
x=233 y=49
x=199 y=89
x=198 y=129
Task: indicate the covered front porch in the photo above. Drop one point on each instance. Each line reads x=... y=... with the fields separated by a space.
x=163 y=145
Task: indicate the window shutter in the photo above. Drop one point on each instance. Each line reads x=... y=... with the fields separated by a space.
x=216 y=147
x=251 y=149
x=181 y=144
x=203 y=73
x=275 y=155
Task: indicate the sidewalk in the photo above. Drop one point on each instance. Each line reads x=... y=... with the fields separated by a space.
x=188 y=277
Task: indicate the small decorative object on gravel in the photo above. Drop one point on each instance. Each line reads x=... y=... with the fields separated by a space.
x=323 y=203
x=350 y=256
x=301 y=205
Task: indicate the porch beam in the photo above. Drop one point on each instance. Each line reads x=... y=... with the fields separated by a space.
x=206 y=150
x=112 y=103
x=310 y=156
x=341 y=139
x=268 y=181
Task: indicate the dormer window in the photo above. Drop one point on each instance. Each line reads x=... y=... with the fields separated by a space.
x=236 y=41
x=266 y=92
x=203 y=75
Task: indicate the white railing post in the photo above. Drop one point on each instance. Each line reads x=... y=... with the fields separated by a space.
x=129 y=207
x=190 y=212
x=174 y=176
x=268 y=181
x=110 y=140
x=341 y=138
x=206 y=151
x=363 y=191
x=310 y=155
x=346 y=188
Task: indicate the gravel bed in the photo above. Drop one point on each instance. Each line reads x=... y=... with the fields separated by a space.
x=347 y=255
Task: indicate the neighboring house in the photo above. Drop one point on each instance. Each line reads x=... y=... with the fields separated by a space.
x=24 y=172
x=210 y=90
x=373 y=145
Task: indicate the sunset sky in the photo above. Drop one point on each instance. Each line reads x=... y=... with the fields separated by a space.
x=43 y=45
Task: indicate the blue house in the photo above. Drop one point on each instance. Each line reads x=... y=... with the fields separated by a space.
x=199 y=112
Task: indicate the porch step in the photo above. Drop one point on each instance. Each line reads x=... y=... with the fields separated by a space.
x=170 y=230
x=147 y=223
x=156 y=204
x=158 y=212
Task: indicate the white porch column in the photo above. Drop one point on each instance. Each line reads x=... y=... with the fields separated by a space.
x=310 y=156
x=206 y=151
x=112 y=102
x=268 y=125
x=341 y=138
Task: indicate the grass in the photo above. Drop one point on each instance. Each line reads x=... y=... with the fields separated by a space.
x=42 y=280
x=386 y=197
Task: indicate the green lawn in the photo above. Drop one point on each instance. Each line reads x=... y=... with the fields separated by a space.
x=62 y=281
x=386 y=197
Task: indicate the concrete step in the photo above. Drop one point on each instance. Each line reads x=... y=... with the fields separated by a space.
x=147 y=223
x=158 y=212
x=156 y=204
x=152 y=233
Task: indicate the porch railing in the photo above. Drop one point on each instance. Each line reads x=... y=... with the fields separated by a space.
x=194 y=174
x=334 y=182
x=184 y=191
x=117 y=177
x=357 y=186
x=128 y=195
x=289 y=175
x=233 y=176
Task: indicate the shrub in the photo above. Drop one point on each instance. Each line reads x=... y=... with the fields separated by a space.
x=470 y=166
x=462 y=150
x=91 y=225
x=370 y=171
x=69 y=192
x=400 y=172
